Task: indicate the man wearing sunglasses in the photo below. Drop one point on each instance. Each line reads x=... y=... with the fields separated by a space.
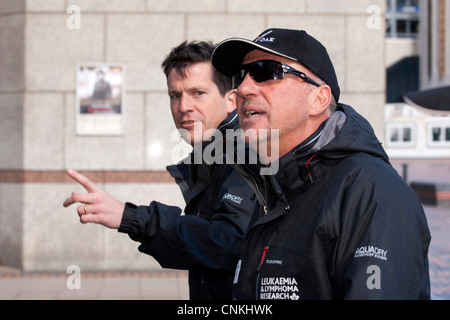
x=206 y=240
x=336 y=220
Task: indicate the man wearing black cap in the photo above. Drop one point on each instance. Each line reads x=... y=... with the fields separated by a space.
x=336 y=220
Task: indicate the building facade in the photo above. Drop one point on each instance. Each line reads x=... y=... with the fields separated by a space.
x=419 y=28
x=435 y=43
x=50 y=50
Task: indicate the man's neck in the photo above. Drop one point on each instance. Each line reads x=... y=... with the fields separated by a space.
x=273 y=148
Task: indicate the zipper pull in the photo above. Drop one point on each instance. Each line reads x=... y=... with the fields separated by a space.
x=266 y=210
x=310 y=177
x=263 y=256
x=308 y=170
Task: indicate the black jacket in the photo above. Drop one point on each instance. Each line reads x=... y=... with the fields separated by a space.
x=207 y=239
x=341 y=223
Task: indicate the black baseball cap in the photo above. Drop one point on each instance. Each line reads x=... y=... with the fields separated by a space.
x=296 y=45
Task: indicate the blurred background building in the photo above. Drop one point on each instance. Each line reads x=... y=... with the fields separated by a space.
x=418 y=79
x=51 y=49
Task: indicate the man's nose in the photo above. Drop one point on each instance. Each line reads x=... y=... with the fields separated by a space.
x=247 y=86
x=186 y=104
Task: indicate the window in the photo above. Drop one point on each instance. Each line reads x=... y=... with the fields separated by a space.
x=400 y=135
x=439 y=134
x=402 y=18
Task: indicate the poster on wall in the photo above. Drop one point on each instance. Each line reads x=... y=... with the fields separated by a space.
x=99 y=99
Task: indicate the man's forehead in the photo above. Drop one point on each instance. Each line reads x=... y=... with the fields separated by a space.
x=196 y=76
x=184 y=70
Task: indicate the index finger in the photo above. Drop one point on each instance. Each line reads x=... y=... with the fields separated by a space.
x=83 y=180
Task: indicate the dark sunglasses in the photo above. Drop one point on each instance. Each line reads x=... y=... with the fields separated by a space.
x=265 y=70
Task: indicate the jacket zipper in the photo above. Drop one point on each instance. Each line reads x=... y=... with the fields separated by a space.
x=257 y=191
x=258 y=269
x=308 y=170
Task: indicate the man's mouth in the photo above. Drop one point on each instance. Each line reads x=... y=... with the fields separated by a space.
x=250 y=114
x=189 y=122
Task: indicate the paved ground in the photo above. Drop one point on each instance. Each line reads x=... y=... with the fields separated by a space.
x=438 y=221
x=156 y=285
x=439 y=254
x=172 y=285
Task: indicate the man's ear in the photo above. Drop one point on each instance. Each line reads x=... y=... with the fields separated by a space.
x=320 y=100
x=230 y=96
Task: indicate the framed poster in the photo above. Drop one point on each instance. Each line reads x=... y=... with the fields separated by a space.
x=99 y=99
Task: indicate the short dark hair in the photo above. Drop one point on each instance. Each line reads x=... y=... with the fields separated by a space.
x=189 y=53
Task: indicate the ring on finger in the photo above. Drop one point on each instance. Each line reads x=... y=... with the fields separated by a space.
x=85 y=210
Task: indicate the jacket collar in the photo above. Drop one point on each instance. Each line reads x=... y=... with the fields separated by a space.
x=298 y=166
x=187 y=169
x=295 y=170
x=345 y=133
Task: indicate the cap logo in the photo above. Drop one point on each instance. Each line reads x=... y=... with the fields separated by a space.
x=263 y=38
x=266 y=39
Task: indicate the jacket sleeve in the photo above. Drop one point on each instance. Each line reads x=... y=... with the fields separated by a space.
x=382 y=250
x=191 y=242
